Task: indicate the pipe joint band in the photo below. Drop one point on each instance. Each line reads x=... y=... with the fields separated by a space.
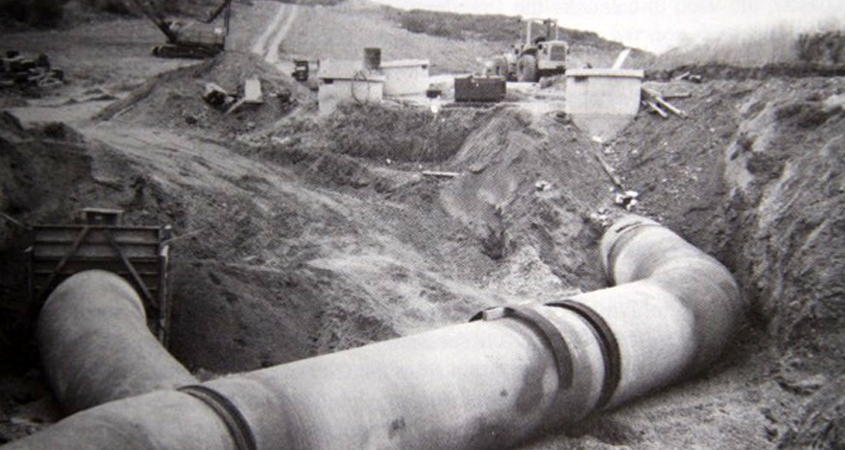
x=227 y=411
x=547 y=330
x=608 y=345
x=623 y=236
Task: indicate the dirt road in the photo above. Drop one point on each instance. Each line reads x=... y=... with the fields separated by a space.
x=268 y=43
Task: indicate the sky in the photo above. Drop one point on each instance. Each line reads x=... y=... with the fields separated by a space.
x=658 y=25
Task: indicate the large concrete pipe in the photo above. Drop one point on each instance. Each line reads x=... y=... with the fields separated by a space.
x=671 y=314
x=486 y=384
x=95 y=345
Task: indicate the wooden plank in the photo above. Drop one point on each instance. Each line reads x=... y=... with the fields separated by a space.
x=620 y=60
x=56 y=235
x=148 y=260
x=86 y=250
x=437 y=174
x=677 y=95
x=608 y=170
x=656 y=109
x=654 y=95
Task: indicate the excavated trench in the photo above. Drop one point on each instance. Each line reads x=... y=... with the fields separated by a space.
x=292 y=249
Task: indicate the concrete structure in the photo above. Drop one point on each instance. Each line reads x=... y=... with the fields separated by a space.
x=603 y=101
x=347 y=81
x=405 y=77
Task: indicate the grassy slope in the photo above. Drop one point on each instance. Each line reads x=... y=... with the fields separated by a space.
x=453 y=42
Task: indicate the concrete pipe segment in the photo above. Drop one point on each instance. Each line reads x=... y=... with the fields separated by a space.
x=489 y=383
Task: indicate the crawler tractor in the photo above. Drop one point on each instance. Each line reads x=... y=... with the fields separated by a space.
x=538 y=56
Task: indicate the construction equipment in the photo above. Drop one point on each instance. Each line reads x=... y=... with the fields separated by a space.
x=18 y=69
x=188 y=39
x=139 y=254
x=537 y=56
x=480 y=89
x=300 y=70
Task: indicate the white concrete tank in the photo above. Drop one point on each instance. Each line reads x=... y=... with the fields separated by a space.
x=405 y=77
x=601 y=102
x=347 y=81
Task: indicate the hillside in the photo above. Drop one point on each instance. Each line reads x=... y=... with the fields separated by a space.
x=298 y=235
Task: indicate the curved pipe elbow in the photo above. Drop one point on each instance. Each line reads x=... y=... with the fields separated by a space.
x=673 y=310
x=95 y=345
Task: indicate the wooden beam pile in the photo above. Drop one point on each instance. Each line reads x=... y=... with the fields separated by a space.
x=657 y=103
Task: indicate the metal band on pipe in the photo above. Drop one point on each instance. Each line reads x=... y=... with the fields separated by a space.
x=548 y=331
x=236 y=424
x=608 y=344
x=623 y=235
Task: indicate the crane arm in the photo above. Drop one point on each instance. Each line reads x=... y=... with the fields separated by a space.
x=223 y=6
x=157 y=20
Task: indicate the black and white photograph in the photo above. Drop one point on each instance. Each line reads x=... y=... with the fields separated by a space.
x=422 y=224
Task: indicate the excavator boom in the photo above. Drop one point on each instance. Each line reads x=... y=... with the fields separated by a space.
x=188 y=39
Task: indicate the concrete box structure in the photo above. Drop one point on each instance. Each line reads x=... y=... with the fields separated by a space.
x=603 y=101
x=347 y=81
x=405 y=77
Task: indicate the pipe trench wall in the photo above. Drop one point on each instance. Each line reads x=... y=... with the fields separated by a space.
x=489 y=383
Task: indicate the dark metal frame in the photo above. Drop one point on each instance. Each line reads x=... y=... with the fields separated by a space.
x=152 y=285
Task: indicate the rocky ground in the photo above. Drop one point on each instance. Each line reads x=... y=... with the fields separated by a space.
x=299 y=235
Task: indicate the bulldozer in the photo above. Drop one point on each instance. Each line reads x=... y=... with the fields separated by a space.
x=539 y=55
x=188 y=38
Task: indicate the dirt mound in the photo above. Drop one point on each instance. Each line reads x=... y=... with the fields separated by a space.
x=755 y=177
x=173 y=100
x=47 y=174
x=729 y=72
x=531 y=182
x=788 y=163
x=399 y=133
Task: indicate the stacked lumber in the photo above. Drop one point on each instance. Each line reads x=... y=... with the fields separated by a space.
x=657 y=103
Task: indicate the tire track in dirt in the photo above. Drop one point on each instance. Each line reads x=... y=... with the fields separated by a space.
x=267 y=45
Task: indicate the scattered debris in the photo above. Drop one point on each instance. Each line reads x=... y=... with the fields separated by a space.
x=601 y=217
x=627 y=199
x=22 y=70
x=216 y=96
x=688 y=76
x=221 y=99
x=542 y=186
x=433 y=93
x=285 y=96
x=252 y=95
x=562 y=117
